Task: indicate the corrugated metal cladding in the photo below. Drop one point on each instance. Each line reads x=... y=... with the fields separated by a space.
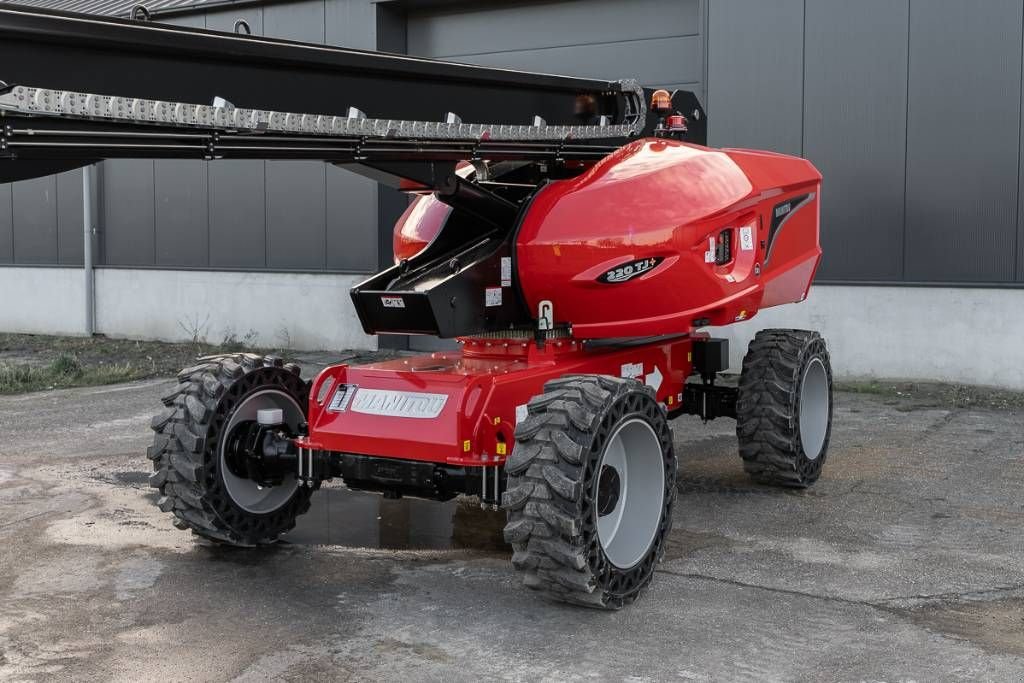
x=910 y=108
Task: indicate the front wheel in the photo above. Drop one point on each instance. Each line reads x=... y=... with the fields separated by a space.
x=591 y=484
x=784 y=407
x=199 y=450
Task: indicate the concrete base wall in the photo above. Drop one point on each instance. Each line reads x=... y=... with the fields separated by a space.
x=301 y=311
x=42 y=300
x=974 y=336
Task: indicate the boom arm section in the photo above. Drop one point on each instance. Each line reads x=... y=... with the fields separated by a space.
x=77 y=88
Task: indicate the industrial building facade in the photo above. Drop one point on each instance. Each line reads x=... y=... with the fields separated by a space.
x=911 y=109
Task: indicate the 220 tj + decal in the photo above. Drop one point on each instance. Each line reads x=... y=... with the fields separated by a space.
x=629 y=270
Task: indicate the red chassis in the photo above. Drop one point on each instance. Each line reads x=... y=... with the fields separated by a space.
x=461 y=407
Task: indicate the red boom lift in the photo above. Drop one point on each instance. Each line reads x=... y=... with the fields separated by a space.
x=575 y=256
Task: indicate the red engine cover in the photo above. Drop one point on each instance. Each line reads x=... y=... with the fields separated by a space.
x=629 y=247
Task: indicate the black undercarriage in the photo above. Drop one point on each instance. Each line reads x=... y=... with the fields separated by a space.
x=267 y=455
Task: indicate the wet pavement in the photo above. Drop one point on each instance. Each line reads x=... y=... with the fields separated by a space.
x=356 y=519
x=906 y=562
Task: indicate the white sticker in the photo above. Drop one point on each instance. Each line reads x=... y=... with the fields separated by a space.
x=545 y=315
x=654 y=379
x=398 y=403
x=521 y=413
x=747 y=238
x=342 y=395
x=709 y=255
x=492 y=296
x=506 y=271
x=632 y=370
x=392 y=301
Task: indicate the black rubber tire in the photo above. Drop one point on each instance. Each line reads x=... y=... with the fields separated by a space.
x=768 y=407
x=186 y=462
x=551 y=494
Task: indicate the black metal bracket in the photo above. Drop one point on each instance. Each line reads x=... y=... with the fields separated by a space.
x=708 y=401
x=710 y=357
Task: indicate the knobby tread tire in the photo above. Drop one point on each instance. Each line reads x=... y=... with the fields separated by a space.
x=768 y=407
x=551 y=494
x=185 y=450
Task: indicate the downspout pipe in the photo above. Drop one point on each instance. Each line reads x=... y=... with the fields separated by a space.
x=87 y=256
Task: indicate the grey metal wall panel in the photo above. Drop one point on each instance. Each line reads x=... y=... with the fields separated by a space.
x=350 y=23
x=35 y=225
x=755 y=74
x=238 y=214
x=351 y=200
x=516 y=27
x=659 y=60
x=70 y=228
x=1020 y=196
x=296 y=191
x=191 y=20
x=351 y=242
x=128 y=213
x=295 y=21
x=225 y=20
x=296 y=215
x=855 y=118
x=599 y=38
x=181 y=213
x=963 y=110
x=6 y=226
x=237 y=189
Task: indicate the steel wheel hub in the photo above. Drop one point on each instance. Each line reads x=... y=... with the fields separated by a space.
x=246 y=493
x=630 y=493
x=814 y=408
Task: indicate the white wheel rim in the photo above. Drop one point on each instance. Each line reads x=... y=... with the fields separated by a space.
x=246 y=493
x=628 y=529
x=814 y=408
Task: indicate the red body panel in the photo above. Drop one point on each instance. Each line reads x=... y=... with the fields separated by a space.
x=418 y=225
x=484 y=384
x=664 y=199
x=422 y=220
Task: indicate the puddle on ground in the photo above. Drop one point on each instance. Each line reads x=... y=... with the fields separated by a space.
x=356 y=519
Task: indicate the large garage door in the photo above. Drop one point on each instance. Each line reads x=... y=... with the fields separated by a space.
x=658 y=42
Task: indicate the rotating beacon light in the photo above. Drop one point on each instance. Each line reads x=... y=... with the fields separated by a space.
x=670 y=122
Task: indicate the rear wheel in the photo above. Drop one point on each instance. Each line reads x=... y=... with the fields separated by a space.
x=198 y=453
x=590 y=490
x=784 y=407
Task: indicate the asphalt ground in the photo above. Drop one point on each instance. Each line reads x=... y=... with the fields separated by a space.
x=905 y=562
